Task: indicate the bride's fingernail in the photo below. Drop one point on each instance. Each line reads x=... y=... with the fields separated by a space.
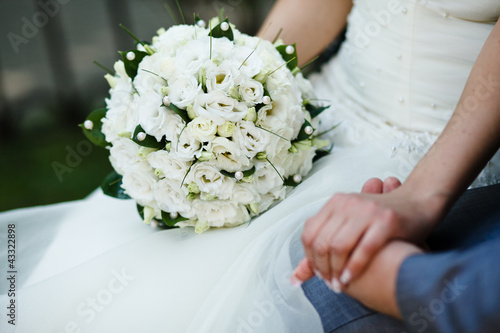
x=317 y=273
x=345 y=278
x=295 y=282
x=329 y=284
x=336 y=286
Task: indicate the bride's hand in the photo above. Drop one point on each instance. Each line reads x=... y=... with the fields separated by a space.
x=350 y=229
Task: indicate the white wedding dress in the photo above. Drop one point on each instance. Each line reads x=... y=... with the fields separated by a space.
x=92 y=266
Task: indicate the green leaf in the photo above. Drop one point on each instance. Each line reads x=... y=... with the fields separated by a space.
x=150 y=141
x=292 y=64
x=290 y=182
x=95 y=135
x=246 y=173
x=196 y=18
x=315 y=111
x=112 y=186
x=217 y=32
x=140 y=210
x=131 y=66
x=302 y=133
x=320 y=153
x=170 y=221
x=182 y=113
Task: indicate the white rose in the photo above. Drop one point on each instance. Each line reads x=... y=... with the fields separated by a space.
x=171 y=198
x=227 y=154
x=183 y=91
x=250 y=139
x=244 y=194
x=209 y=180
x=139 y=183
x=219 y=213
x=266 y=179
x=217 y=106
x=202 y=129
x=124 y=154
x=167 y=166
x=251 y=91
x=221 y=77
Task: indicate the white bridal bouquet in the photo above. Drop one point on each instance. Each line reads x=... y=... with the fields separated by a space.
x=206 y=126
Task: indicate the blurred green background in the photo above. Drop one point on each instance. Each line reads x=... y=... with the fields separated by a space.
x=48 y=84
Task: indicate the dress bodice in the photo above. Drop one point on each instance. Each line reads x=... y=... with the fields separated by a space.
x=408 y=61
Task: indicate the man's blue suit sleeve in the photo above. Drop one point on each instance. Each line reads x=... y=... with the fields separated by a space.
x=455 y=291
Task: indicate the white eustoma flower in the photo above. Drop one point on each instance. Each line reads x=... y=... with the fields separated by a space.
x=217 y=106
x=250 y=139
x=304 y=87
x=222 y=48
x=220 y=213
x=251 y=91
x=279 y=80
x=244 y=194
x=221 y=77
x=285 y=160
x=191 y=58
x=185 y=146
x=119 y=68
x=152 y=116
x=122 y=115
x=167 y=166
x=183 y=91
x=174 y=38
x=228 y=156
x=286 y=111
x=202 y=129
x=303 y=160
x=265 y=202
x=139 y=183
x=250 y=62
x=124 y=154
x=266 y=179
x=172 y=198
x=279 y=142
x=209 y=180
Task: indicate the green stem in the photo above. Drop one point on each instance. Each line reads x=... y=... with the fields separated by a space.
x=282 y=179
x=286 y=63
x=103 y=67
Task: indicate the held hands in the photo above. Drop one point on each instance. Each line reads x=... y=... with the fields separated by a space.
x=341 y=240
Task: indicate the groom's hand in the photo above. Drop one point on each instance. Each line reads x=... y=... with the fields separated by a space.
x=350 y=229
x=304 y=270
